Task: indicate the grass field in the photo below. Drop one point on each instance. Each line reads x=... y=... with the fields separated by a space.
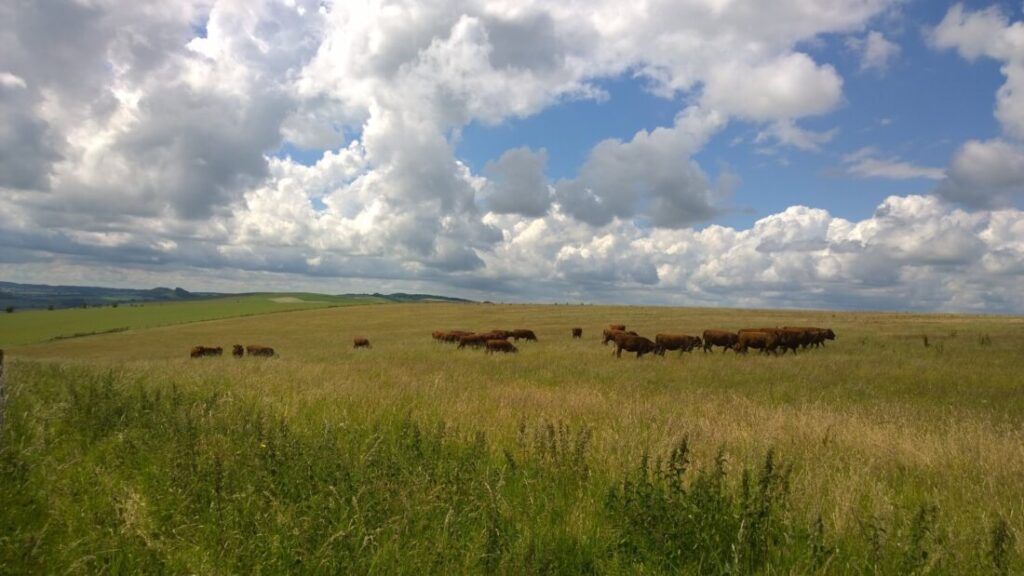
x=32 y=326
x=875 y=455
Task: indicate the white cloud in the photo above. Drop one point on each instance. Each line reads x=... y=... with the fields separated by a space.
x=787 y=133
x=875 y=51
x=867 y=163
x=143 y=144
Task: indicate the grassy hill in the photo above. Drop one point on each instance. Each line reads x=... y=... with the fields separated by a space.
x=43 y=325
x=877 y=454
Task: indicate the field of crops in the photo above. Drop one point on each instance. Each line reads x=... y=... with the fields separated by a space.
x=896 y=449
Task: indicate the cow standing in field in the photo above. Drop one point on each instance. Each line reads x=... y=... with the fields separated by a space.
x=524 y=334
x=764 y=341
x=200 y=351
x=680 y=342
x=637 y=344
x=610 y=334
x=721 y=338
x=360 y=343
x=260 y=351
x=237 y=351
x=501 y=346
x=813 y=336
x=577 y=333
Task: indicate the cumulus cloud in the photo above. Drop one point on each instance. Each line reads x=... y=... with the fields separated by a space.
x=144 y=134
x=516 y=183
x=988 y=173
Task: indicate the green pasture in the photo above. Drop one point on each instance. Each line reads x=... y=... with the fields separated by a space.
x=898 y=448
x=25 y=327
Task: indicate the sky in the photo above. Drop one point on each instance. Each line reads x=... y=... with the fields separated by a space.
x=838 y=154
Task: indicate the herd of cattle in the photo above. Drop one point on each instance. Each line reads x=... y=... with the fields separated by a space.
x=767 y=340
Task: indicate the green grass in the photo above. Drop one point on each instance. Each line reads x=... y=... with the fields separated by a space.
x=874 y=455
x=32 y=326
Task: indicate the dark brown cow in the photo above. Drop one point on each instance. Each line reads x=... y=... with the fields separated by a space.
x=453 y=336
x=501 y=346
x=617 y=327
x=577 y=332
x=200 y=351
x=360 y=343
x=680 y=342
x=237 y=351
x=721 y=338
x=524 y=334
x=764 y=341
x=814 y=336
x=478 y=340
x=501 y=334
x=637 y=344
x=257 y=350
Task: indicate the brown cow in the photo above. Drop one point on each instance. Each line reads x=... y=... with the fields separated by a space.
x=815 y=336
x=637 y=344
x=764 y=341
x=680 y=342
x=478 y=340
x=501 y=346
x=359 y=342
x=609 y=335
x=501 y=334
x=577 y=332
x=237 y=351
x=200 y=351
x=524 y=334
x=257 y=350
x=617 y=327
x=721 y=338
x=453 y=336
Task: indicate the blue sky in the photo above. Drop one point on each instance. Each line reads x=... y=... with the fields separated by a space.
x=824 y=153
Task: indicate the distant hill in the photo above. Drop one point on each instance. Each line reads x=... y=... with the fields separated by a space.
x=36 y=296
x=403 y=297
x=26 y=296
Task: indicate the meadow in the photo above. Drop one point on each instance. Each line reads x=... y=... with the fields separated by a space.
x=896 y=449
x=29 y=326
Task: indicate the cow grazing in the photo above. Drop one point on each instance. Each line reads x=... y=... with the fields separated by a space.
x=764 y=341
x=680 y=342
x=200 y=351
x=609 y=335
x=477 y=340
x=504 y=346
x=501 y=334
x=237 y=351
x=261 y=351
x=637 y=344
x=577 y=332
x=524 y=334
x=360 y=343
x=617 y=327
x=721 y=338
x=453 y=336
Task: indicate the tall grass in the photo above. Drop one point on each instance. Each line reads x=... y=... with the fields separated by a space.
x=890 y=457
x=118 y=470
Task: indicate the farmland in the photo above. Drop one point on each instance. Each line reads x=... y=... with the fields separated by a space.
x=897 y=448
